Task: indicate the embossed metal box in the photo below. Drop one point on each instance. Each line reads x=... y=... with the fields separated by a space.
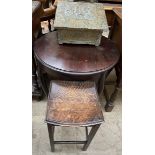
x=80 y=22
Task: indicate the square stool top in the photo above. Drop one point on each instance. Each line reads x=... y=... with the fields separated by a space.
x=73 y=104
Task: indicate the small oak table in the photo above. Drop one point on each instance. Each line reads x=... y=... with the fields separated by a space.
x=74 y=62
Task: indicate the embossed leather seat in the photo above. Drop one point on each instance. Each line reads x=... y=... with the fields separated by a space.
x=73 y=104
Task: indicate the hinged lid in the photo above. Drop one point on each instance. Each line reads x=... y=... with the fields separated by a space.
x=80 y=15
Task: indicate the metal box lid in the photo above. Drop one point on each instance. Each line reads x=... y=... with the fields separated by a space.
x=80 y=15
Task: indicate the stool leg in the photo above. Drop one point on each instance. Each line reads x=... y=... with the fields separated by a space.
x=90 y=136
x=51 y=135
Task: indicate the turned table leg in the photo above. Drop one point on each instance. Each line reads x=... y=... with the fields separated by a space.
x=36 y=90
x=110 y=101
x=41 y=79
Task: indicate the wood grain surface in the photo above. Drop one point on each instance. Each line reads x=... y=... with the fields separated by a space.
x=75 y=58
x=73 y=103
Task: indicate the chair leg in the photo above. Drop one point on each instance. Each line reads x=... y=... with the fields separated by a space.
x=90 y=136
x=51 y=135
x=49 y=25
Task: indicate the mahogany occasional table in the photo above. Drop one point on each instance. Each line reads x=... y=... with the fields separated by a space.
x=74 y=62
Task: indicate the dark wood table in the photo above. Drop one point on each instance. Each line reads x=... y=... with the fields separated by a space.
x=74 y=62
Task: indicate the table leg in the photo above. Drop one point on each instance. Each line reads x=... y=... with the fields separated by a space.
x=41 y=80
x=100 y=85
x=36 y=90
x=110 y=101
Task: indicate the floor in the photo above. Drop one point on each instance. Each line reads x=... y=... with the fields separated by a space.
x=107 y=141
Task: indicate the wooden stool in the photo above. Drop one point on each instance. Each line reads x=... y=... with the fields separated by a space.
x=73 y=104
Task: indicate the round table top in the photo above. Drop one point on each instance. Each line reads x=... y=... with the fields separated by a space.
x=75 y=59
